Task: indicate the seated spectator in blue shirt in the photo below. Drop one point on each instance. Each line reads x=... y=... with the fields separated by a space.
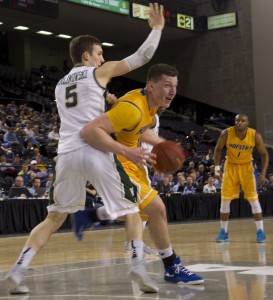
x=189 y=188
x=49 y=181
x=180 y=186
x=20 y=133
x=10 y=138
x=36 y=190
x=30 y=133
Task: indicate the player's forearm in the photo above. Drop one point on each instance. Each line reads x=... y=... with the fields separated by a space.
x=217 y=157
x=145 y=52
x=101 y=140
x=151 y=138
x=264 y=163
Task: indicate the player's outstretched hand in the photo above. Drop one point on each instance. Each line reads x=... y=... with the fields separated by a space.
x=156 y=19
x=139 y=157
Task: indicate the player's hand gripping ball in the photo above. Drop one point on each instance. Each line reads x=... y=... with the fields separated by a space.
x=169 y=157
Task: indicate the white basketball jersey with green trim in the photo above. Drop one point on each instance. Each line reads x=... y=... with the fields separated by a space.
x=79 y=99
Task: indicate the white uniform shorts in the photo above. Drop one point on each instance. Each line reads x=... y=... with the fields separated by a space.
x=103 y=170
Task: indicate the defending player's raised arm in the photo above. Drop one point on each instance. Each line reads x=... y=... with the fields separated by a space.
x=144 y=53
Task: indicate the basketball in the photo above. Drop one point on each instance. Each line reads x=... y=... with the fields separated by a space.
x=169 y=157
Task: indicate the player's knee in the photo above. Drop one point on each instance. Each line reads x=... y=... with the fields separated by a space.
x=255 y=207
x=156 y=209
x=225 y=207
x=161 y=209
x=56 y=219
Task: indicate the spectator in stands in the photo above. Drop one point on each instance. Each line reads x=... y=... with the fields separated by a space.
x=49 y=181
x=190 y=167
x=18 y=190
x=54 y=134
x=9 y=110
x=13 y=107
x=26 y=160
x=31 y=176
x=11 y=120
x=180 y=174
x=10 y=138
x=189 y=151
x=269 y=184
x=218 y=182
x=189 y=187
x=192 y=138
x=16 y=163
x=20 y=133
x=29 y=133
x=193 y=175
x=40 y=163
x=24 y=173
x=33 y=167
x=155 y=179
x=4 y=163
x=209 y=187
x=202 y=175
x=3 y=124
x=207 y=139
x=164 y=186
x=29 y=150
x=34 y=190
x=181 y=183
x=7 y=151
x=210 y=157
x=39 y=137
x=171 y=180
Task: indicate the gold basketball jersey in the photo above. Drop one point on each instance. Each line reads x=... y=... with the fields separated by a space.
x=133 y=119
x=240 y=151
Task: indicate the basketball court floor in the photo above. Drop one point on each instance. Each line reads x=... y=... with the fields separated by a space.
x=97 y=267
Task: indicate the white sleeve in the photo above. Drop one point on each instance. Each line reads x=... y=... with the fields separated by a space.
x=145 y=52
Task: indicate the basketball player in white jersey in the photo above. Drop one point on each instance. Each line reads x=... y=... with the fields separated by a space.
x=80 y=98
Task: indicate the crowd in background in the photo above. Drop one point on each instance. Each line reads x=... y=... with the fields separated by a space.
x=29 y=140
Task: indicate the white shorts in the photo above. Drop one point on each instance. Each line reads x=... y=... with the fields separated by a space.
x=103 y=170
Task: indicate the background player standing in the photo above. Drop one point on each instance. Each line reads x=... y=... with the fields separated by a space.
x=239 y=171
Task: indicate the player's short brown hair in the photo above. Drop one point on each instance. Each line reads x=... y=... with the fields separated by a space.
x=156 y=71
x=79 y=45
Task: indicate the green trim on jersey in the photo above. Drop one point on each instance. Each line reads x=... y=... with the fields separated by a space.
x=125 y=180
x=51 y=190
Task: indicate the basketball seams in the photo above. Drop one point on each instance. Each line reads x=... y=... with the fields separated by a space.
x=170 y=157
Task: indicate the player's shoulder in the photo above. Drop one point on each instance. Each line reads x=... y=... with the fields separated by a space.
x=225 y=132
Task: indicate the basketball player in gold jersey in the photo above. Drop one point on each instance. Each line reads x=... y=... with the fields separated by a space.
x=239 y=171
x=130 y=119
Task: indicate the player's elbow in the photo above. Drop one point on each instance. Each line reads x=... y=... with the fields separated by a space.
x=86 y=132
